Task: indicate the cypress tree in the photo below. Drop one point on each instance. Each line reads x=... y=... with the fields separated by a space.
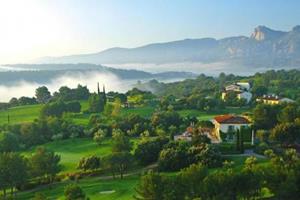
x=242 y=140
x=104 y=95
x=237 y=133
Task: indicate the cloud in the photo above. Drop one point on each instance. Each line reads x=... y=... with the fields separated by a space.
x=71 y=79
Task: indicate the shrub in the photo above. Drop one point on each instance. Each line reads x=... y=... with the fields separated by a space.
x=74 y=192
x=261 y=148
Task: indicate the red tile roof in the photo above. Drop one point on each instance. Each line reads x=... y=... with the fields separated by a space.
x=231 y=119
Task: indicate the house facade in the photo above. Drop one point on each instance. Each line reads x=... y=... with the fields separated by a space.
x=241 y=89
x=273 y=100
x=229 y=123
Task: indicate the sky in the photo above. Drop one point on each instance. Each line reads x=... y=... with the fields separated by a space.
x=36 y=28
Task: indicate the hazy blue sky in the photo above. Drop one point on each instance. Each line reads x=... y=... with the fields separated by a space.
x=35 y=28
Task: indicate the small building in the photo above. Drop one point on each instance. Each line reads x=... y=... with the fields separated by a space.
x=186 y=136
x=273 y=100
x=229 y=123
x=241 y=89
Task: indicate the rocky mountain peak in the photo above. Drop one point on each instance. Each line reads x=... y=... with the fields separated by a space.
x=296 y=28
x=264 y=33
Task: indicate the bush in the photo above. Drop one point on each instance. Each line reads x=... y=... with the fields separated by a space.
x=261 y=148
x=74 y=192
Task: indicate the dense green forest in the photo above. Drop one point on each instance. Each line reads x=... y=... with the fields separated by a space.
x=281 y=82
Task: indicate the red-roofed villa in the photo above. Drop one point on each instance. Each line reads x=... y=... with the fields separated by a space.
x=227 y=123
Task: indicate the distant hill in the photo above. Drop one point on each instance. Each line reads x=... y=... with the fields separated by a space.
x=44 y=73
x=264 y=48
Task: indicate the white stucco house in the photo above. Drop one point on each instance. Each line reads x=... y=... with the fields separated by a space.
x=229 y=123
x=242 y=89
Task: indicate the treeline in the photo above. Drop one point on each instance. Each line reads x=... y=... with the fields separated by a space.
x=21 y=136
x=277 y=126
x=19 y=173
x=281 y=177
x=281 y=82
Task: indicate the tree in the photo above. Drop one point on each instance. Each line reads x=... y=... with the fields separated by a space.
x=174 y=158
x=165 y=119
x=13 y=171
x=42 y=94
x=191 y=179
x=119 y=162
x=74 y=192
x=205 y=154
x=99 y=136
x=121 y=143
x=89 y=163
x=286 y=133
x=45 y=164
x=289 y=113
x=73 y=107
x=96 y=103
x=151 y=187
x=39 y=196
x=221 y=185
x=199 y=138
x=265 y=116
x=282 y=176
x=8 y=142
x=116 y=107
x=259 y=90
x=238 y=143
x=147 y=150
x=13 y=101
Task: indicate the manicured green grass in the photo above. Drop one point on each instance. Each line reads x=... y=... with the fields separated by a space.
x=124 y=189
x=72 y=150
x=20 y=114
x=80 y=118
x=143 y=111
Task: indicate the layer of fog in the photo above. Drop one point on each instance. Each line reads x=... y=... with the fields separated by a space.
x=89 y=79
x=211 y=69
x=71 y=80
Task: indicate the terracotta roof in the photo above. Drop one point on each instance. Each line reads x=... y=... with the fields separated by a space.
x=231 y=119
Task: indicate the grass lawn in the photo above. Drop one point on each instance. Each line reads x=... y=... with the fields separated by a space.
x=124 y=189
x=20 y=114
x=143 y=111
x=72 y=150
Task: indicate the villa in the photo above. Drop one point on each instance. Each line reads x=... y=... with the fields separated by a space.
x=273 y=100
x=229 y=123
x=242 y=90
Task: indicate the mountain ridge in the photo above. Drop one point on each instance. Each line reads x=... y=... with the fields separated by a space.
x=265 y=47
